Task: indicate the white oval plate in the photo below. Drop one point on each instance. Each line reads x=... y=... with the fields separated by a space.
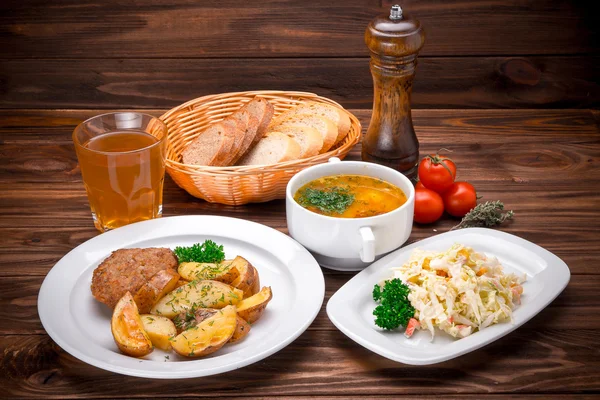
x=81 y=325
x=351 y=308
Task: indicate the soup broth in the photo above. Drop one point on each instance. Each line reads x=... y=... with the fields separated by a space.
x=350 y=196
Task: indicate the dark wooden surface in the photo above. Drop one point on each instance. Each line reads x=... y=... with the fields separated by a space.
x=157 y=53
x=275 y=28
x=528 y=56
x=544 y=164
x=441 y=82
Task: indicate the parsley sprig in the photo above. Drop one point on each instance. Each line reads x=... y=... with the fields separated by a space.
x=394 y=309
x=207 y=252
x=334 y=200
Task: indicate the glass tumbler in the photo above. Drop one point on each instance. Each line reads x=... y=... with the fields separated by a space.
x=122 y=160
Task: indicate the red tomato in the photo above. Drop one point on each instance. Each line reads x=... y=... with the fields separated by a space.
x=429 y=206
x=437 y=172
x=460 y=199
x=420 y=185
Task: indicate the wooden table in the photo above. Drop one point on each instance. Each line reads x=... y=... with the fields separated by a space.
x=543 y=164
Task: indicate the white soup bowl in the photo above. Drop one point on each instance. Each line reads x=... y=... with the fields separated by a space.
x=349 y=244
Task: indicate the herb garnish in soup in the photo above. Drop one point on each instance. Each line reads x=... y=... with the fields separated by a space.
x=350 y=196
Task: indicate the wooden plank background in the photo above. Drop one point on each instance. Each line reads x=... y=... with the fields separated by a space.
x=90 y=56
x=150 y=54
x=543 y=164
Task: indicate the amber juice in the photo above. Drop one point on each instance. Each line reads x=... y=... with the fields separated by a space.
x=123 y=173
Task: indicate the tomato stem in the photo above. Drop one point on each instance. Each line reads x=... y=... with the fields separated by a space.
x=437 y=160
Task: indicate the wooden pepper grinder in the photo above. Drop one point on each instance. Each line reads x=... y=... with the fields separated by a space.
x=394 y=41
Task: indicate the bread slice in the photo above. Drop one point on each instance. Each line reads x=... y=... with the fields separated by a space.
x=249 y=130
x=262 y=110
x=309 y=139
x=211 y=147
x=273 y=148
x=336 y=114
x=324 y=126
x=238 y=129
x=223 y=158
x=227 y=141
x=254 y=116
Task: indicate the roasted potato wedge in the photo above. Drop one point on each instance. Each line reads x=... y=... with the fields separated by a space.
x=188 y=319
x=241 y=330
x=128 y=330
x=223 y=272
x=252 y=308
x=181 y=282
x=197 y=294
x=248 y=281
x=160 y=330
x=255 y=287
x=208 y=336
x=154 y=289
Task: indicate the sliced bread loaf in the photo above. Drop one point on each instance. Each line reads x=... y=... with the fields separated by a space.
x=238 y=128
x=251 y=119
x=211 y=147
x=250 y=129
x=337 y=115
x=273 y=148
x=309 y=139
x=225 y=142
x=262 y=110
x=324 y=126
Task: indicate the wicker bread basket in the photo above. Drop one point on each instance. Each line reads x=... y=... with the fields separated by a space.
x=237 y=185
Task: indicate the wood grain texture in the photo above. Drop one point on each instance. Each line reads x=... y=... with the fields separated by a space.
x=94 y=56
x=514 y=157
x=28 y=212
x=56 y=125
x=541 y=163
x=540 y=361
x=272 y=28
x=571 y=310
x=519 y=396
x=441 y=82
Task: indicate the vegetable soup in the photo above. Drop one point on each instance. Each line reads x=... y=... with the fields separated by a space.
x=350 y=196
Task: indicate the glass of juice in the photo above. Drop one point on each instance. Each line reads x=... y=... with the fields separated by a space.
x=122 y=160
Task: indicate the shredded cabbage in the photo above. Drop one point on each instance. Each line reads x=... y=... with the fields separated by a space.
x=459 y=290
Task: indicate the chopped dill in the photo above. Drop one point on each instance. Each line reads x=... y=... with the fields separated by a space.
x=334 y=200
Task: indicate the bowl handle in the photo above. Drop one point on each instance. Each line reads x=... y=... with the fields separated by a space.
x=367 y=253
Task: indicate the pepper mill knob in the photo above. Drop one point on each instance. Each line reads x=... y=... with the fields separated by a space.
x=394 y=41
x=396 y=12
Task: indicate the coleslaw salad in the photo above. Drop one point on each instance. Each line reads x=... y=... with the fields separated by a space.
x=459 y=291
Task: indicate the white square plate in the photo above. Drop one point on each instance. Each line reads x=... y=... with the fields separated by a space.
x=351 y=308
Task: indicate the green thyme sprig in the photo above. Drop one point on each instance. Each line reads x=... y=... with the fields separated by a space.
x=488 y=214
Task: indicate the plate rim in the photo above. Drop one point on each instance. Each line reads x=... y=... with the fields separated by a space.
x=332 y=304
x=317 y=291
